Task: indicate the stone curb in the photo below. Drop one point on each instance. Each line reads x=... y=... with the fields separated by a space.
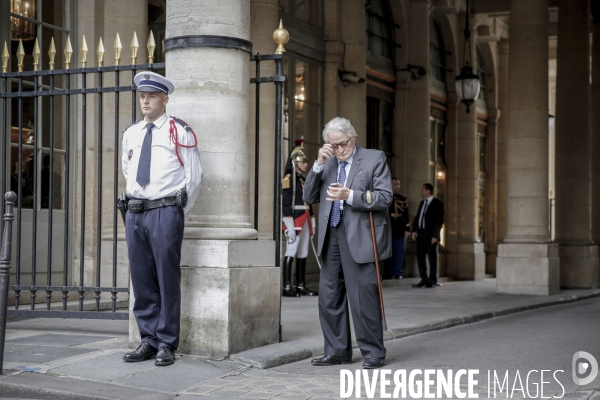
x=279 y=354
x=18 y=391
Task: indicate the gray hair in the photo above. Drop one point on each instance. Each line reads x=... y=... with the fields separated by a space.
x=339 y=124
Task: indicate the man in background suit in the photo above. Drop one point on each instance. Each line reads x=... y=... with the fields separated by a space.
x=349 y=182
x=426 y=231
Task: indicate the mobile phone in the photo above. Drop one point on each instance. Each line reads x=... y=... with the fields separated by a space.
x=334 y=184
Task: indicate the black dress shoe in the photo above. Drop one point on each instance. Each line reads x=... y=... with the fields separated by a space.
x=420 y=284
x=430 y=285
x=164 y=357
x=372 y=363
x=144 y=352
x=331 y=360
x=289 y=292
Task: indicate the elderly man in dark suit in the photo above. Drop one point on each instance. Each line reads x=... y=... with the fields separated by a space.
x=349 y=182
x=426 y=231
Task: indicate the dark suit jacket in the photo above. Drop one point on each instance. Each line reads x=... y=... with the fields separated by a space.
x=434 y=218
x=369 y=171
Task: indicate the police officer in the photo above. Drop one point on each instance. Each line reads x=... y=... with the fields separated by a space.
x=298 y=223
x=161 y=165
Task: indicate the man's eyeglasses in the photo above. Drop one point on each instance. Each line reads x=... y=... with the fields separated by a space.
x=343 y=145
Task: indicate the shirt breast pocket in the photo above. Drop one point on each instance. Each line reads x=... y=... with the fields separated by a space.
x=164 y=150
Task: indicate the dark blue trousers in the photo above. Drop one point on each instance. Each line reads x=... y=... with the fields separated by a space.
x=394 y=264
x=154 y=239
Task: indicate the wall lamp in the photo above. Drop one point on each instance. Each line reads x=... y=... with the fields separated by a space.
x=410 y=68
x=349 y=77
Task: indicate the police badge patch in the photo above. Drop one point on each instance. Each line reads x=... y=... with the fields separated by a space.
x=129 y=154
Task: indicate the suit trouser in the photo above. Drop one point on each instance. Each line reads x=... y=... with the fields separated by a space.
x=426 y=250
x=154 y=239
x=342 y=280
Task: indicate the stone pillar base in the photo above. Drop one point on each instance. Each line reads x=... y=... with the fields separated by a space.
x=579 y=266
x=229 y=297
x=470 y=261
x=528 y=268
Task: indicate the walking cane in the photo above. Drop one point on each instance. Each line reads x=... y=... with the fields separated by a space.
x=383 y=323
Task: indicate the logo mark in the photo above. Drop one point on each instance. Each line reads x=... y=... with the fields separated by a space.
x=147 y=77
x=590 y=365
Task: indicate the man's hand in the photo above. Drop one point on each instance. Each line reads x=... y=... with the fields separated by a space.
x=414 y=236
x=337 y=192
x=325 y=153
x=434 y=240
x=314 y=226
x=406 y=234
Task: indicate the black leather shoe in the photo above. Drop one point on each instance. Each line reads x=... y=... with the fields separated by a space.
x=372 y=363
x=164 y=357
x=420 y=284
x=430 y=285
x=331 y=360
x=144 y=352
x=289 y=292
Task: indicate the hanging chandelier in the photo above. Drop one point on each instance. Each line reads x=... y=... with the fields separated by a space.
x=21 y=28
x=467 y=83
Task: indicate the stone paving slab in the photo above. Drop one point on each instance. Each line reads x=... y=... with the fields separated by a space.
x=26 y=354
x=57 y=339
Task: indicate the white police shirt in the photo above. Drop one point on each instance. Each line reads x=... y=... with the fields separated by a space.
x=166 y=173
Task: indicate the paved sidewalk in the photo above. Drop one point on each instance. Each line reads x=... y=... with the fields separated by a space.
x=81 y=359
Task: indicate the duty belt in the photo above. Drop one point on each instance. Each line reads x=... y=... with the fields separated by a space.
x=143 y=205
x=304 y=207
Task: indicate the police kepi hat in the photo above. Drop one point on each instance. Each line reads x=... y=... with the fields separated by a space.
x=147 y=81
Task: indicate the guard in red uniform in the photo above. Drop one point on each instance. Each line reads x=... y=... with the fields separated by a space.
x=298 y=223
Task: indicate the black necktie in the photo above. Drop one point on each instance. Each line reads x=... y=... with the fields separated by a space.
x=143 y=172
x=423 y=215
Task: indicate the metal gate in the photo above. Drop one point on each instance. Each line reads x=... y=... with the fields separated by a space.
x=66 y=174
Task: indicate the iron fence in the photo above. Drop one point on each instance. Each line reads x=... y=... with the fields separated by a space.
x=52 y=183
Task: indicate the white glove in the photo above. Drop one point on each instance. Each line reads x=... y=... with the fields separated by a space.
x=290 y=229
x=313 y=222
x=291 y=235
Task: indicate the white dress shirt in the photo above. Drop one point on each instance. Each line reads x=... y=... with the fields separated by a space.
x=423 y=210
x=167 y=175
x=318 y=168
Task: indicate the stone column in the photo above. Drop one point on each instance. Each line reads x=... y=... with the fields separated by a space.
x=470 y=255
x=595 y=133
x=527 y=261
x=264 y=20
x=414 y=158
x=230 y=287
x=417 y=113
x=104 y=20
x=501 y=141
x=353 y=98
x=578 y=254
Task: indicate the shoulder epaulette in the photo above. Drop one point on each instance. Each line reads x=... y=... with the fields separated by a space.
x=139 y=120
x=285 y=182
x=182 y=123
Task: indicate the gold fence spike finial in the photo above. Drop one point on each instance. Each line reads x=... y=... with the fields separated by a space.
x=83 y=52
x=68 y=53
x=117 y=47
x=280 y=37
x=100 y=52
x=20 y=55
x=135 y=45
x=151 y=46
x=5 y=57
x=36 y=56
x=52 y=53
